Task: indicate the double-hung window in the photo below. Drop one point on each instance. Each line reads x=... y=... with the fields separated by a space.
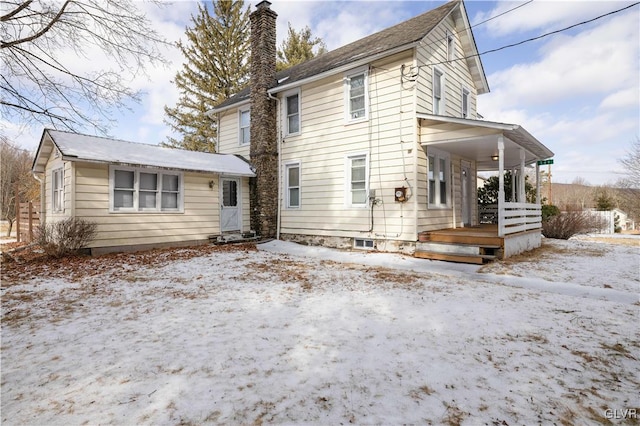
x=293 y=185
x=438 y=174
x=145 y=190
x=57 y=188
x=357 y=173
x=356 y=96
x=438 y=92
x=293 y=113
x=244 y=134
x=465 y=103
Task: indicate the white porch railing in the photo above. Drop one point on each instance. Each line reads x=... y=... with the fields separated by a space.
x=518 y=217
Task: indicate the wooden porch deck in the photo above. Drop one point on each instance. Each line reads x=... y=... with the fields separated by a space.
x=477 y=244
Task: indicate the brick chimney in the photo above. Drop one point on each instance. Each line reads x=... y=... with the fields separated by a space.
x=263 y=147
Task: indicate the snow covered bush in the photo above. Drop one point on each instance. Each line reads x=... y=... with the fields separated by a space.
x=67 y=236
x=568 y=223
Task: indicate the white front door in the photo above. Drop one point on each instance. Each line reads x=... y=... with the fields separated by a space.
x=230 y=217
x=465 y=180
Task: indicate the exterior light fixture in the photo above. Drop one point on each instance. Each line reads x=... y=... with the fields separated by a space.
x=495 y=157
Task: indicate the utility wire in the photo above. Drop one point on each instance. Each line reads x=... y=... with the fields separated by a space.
x=535 y=38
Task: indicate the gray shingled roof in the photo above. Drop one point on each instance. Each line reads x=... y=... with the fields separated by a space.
x=404 y=33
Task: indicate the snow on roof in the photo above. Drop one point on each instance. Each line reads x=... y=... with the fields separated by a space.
x=76 y=147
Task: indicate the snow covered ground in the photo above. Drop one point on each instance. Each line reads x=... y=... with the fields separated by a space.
x=290 y=334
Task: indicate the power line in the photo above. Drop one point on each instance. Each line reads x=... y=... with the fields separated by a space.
x=534 y=38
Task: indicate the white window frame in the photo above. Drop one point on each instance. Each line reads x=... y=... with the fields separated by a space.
x=291 y=165
x=364 y=244
x=136 y=191
x=286 y=114
x=348 y=189
x=241 y=129
x=348 y=76
x=451 y=47
x=439 y=104
x=466 y=112
x=57 y=192
x=435 y=176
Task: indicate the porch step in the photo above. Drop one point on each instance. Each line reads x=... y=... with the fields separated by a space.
x=458 y=252
x=459 y=238
x=478 y=260
x=232 y=238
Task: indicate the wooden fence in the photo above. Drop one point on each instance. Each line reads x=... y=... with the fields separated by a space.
x=27 y=220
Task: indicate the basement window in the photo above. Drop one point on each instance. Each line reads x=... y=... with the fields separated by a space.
x=362 y=243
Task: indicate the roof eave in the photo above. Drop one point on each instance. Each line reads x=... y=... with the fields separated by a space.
x=213 y=111
x=343 y=68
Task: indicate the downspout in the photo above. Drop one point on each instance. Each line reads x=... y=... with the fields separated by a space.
x=278 y=127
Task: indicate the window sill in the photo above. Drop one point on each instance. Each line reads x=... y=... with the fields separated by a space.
x=142 y=212
x=356 y=121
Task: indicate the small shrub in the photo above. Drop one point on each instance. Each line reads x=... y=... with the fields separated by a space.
x=67 y=236
x=548 y=211
x=569 y=223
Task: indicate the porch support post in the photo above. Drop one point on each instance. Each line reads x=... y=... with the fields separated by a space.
x=500 y=185
x=522 y=197
x=514 y=172
x=538 y=183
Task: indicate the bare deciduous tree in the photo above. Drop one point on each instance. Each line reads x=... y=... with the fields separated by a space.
x=15 y=167
x=45 y=49
x=631 y=183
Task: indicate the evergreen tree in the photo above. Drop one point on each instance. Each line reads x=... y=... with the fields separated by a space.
x=488 y=194
x=298 y=48
x=216 y=67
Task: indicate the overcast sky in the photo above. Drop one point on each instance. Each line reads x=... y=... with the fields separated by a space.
x=577 y=91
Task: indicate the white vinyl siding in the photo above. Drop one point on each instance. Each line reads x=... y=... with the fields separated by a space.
x=293 y=185
x=357 y=173
x=144 y=190
x=292 y=114
x=244 y=127
x=443 y=46
x=199 y=220
x=326 y=185
x=356 y=95
x=57 y=190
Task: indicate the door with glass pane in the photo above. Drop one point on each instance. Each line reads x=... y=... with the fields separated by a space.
x=230 y=204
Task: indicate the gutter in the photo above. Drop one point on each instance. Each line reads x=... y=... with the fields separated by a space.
x=343 y=68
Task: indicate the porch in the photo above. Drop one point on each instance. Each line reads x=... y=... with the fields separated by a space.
x=518 y=231
x=511 y=227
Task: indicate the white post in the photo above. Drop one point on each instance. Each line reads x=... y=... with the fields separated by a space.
x=538 y=187
x=522 y=197
x=500 y=185
x=513 y=185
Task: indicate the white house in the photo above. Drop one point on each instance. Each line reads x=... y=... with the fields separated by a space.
x=141 y=195
x=377 y=144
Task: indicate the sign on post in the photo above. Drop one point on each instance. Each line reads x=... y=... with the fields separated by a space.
x=543 y=162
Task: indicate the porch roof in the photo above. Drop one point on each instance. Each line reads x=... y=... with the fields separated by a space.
x=478 y=140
